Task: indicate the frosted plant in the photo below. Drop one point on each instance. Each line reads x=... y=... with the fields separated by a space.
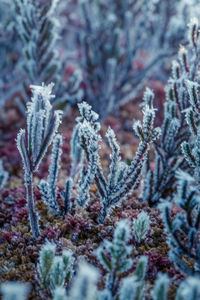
x=122 y=179
x=183 y=229
x=141 y=227
x=190 y=149
x=48 y=188
x=177 y=129
x=66 y=195
x=86 y=113
x=37 y=25
x=160 y=287
x=132 y=288
x=3 y=175
x=61 y=269
x=42 y=126
x=189 y=289
x=46 y=258
x=9 y=53
x=14 y=290
x=110 y=50
x=114 y=256
x=85 y=283
x=53 y=271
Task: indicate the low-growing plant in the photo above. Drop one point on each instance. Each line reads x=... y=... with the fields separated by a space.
x=42 y=126
x=123 y=179
x=54 y=271
x=141 y=227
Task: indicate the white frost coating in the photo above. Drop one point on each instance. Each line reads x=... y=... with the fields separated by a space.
x=141 y=227
x=84 y=286
x=15 y=290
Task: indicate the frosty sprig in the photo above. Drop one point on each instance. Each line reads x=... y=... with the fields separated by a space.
x=133 y=287
x=54 y=271
x=179 y=124
x=84 y=286
x=37 y=25
x=183 y=229
x=114 y=256
x=122 y=178
x=141 y=227
x=111 y=77
x=42 y=126
x=48 y=188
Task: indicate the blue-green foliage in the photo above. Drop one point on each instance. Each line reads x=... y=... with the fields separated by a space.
x=85 y=283
x=114 y=256
x=183 y=229
x=122 y=179
x=66 y=195
x=181 y=96
x=132 y=288
x=42 y=126
x=160 y=287
x=111 y=77
x=141 y=227
x=14 y=290
x=48 y=188
x=189 y=289
x=54 y=271
x=37 y=25
x=3 y=175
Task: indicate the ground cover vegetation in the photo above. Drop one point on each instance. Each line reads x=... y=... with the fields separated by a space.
x=99 y=150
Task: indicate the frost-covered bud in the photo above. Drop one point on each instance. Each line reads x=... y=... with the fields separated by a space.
x=122 y=232
x=137 y=127
x=61 y=269
x=57 y=276
x=193 y=31
x=85 y=283
x=114 y=255
x=183 y=58
x=47 y=254
x=141 y=226
x=148 y=97
x=160 y=288
x=14 y=290
x=176 y=72
x=68 y=261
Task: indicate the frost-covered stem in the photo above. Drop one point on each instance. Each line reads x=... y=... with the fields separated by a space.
x=103 y=213
x=30 y=204
x=67 y=195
